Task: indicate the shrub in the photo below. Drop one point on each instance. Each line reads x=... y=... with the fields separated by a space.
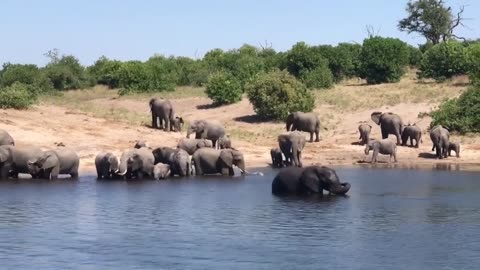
x=66 y=72
x=17 y=96
x=275 y=94
x=26 y=74
x=302 y=57
x=320 y=77
x=223 y=88
x=138 y=77
x=415 y=56
x=104 y=71
x=443 y=61
x=473 y=58
x=462 y=114
x=383 y=60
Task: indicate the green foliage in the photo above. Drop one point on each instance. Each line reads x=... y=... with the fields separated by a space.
x=26 y=74
x=17 y=96
x=302 y=57
x=223 y=88
x=320 y=77
x=430 y=18
x=343 y=60
x=66 y=73
x=462 y=114
x=383 y=60
x=473 y=59
x=275 y=94
x=444 y=60
x=104 y=71
x=415 y=56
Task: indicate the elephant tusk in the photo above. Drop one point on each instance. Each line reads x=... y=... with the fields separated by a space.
x=122 y=173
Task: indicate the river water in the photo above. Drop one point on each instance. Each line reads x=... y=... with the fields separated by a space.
x=392 y=219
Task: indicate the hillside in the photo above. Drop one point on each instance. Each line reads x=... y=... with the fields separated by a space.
x=97 y=119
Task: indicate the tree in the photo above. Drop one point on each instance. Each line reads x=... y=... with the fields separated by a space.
x=432 y=19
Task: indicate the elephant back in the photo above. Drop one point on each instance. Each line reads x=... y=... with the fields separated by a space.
x=5 y=138
x=68 y=159
x=21 y=156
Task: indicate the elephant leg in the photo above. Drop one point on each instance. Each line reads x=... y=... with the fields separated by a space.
x=214 y=144
x=384 y=133
x=167 y=124
x=154 y=121
x=4 y=172
x=311 y=136
x=231 y=172
x=439 y=149
x=54 y=173
x=397 y=134
x=295 y=152
x=317 y=135
x=395 y=157
x=74 y=175
x=374 y=156
x=189 y=168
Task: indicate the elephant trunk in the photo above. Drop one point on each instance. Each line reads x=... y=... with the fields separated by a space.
x=122 y=169
x=340 y=189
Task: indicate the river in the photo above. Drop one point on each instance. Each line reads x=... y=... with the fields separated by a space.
x=392 y=219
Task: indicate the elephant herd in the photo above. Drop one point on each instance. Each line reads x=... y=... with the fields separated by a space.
x=391 y=123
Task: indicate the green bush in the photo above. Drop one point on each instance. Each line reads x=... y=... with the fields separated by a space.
x=138 y=77
x=383 y=60
x=461 y=114
x=443 y=61
x=302 y=57
x=415 y=56
x=320 y=77
x=66 y=72
x=17 y=96
x=473 y=58
x=223 y=88
x=104 y=71
x=26 y=74
x=275 y=94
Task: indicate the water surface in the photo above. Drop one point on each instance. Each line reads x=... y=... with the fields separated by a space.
x=392 y=219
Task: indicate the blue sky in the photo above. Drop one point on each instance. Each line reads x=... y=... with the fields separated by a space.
x=138 y=29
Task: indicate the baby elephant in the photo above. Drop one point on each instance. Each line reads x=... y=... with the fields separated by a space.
x=364 y=130
x=277 y=159
x=412 y=132
x=161 y=171
x=384 y=147
x=455 y=146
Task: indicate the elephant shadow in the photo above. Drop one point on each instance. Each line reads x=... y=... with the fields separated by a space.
x=357 y=143
x=427 y=155
x=251 y=119
x=207 y=106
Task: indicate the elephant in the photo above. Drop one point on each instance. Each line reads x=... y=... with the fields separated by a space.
x=441 y=141
x=177 y=124
x=141 y=143
x=277 y=158
x=55 y=162
x=390 y=123
x=412 y=132
x=214 y=161
x=161 y=171
x=455 y=146
x=178 y=159
x=384 y=147
x=225 y=142
x=136 y=163
x=14 y=159
x=107 y=165
x=5 y=138
x=364 y=130
x=308 y=180
x=291 y=144
x=308 y=122
x=192 y=145
x=163 y=111
x=206 y=129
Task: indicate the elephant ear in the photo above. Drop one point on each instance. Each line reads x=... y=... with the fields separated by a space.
x=50 y=160
x=226 y=156
x=376 y=117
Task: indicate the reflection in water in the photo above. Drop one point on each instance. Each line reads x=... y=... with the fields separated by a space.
x=391 y=219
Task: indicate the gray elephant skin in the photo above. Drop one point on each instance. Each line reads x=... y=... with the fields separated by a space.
x=390 y=123
x=308 y=122
x=215 y=161
x=225 y=142
x=412 y=132
x=291 y=144
x=14 y=159
x=5 y=138
x=161 y=171
x=177 y=158
x=53 y=163
x=163 y=112
x=454 y=146
x=277 y=158
x=365 y=130
x=107 y=165
x=177 y=124
x=136 y=163
x=206 y=129
x=308 y=180
x=192 y=145
x=384 y=147
x=441 y=141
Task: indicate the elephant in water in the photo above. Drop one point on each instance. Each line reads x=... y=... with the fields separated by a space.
x=107 y=165
x=206 y=129
x=412 y=132
x=14 y=159
x=390 y=123
x=364 y=130
x=214 y=161
x=441 y=141
x=308 y=122
x=192 y=145
x=162 y=110
x=161 y=171
x=5 y=138
x=308 y=180
x=291 y=144
x=136 y=163
x=384 y=147
x=277 y=158
x=178 y=159
x=55 y=162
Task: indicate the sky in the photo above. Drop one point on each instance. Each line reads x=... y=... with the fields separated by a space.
x=136 y=30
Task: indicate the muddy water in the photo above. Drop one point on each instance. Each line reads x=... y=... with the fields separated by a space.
x=392 y=219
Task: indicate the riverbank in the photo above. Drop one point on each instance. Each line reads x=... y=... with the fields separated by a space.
x=94 y=120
